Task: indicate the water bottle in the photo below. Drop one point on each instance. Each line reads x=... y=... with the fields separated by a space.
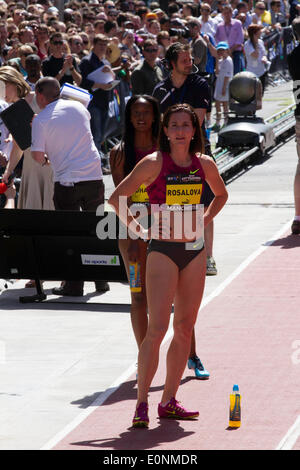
x=235 y=408
x=135 y=277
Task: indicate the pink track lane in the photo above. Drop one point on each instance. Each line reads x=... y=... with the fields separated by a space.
x=244 y=336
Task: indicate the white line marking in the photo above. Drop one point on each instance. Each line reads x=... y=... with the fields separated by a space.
x=85 y=413
x=291 y=437
x=132 y=369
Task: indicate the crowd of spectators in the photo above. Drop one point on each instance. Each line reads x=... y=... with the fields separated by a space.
x=130 y=38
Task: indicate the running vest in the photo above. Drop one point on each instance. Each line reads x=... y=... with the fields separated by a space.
x=176 y=185
x=141 y=194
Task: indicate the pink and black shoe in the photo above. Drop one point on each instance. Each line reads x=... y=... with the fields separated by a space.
x=173 y=409
x=141 y=419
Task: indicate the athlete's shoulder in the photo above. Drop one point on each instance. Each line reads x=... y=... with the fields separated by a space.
x=154 y=157
x=149 y=167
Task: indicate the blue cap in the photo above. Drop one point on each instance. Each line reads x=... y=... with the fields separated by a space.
x=235 y=388
x=222 y=45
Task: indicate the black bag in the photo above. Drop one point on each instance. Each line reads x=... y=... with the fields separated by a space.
x=17 y=118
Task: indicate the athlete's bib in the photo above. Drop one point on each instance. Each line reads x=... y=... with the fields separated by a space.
x=183 y=189
x=140 y=195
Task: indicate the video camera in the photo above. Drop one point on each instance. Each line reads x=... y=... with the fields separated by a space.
x=180 y=32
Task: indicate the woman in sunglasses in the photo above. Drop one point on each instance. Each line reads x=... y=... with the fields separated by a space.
x=59 y=65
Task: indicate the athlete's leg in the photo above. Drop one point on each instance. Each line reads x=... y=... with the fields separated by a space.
x=187 y=302
x=161 y=282
x=138 y=309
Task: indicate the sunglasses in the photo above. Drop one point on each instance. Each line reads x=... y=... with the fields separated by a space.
x=151 y=50
x=77 y=43
x=26 y=54
x=57 y=43
x=260 y=8
x=205 y=9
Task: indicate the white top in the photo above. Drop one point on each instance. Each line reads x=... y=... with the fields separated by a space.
x=256 y=19
x=5 y=147
x=208 y=27
x=62 y=131
x=255 y=66
x=225 y=70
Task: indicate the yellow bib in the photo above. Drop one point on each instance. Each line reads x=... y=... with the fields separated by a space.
x=183 y=189
x=140 y=195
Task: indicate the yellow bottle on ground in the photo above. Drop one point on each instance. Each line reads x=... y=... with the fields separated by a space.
x=135 y=277
x=235 y=408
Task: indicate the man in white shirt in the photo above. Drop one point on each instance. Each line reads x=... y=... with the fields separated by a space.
x=208 y=24
x=61 y=133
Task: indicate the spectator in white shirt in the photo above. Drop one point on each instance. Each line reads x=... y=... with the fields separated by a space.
x=62 y=132
x=255 y=52
x=208 y=24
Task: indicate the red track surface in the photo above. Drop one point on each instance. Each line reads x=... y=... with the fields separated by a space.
x=245 y=336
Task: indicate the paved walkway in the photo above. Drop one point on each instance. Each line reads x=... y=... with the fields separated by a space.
x=248 y=334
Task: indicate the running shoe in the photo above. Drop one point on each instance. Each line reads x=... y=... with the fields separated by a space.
x=200 y=371
x=173 y=409
x=141 y=419
x=295 y=227
x=211 y=269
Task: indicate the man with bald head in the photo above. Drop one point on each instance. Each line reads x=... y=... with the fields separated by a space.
x=61 y=132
